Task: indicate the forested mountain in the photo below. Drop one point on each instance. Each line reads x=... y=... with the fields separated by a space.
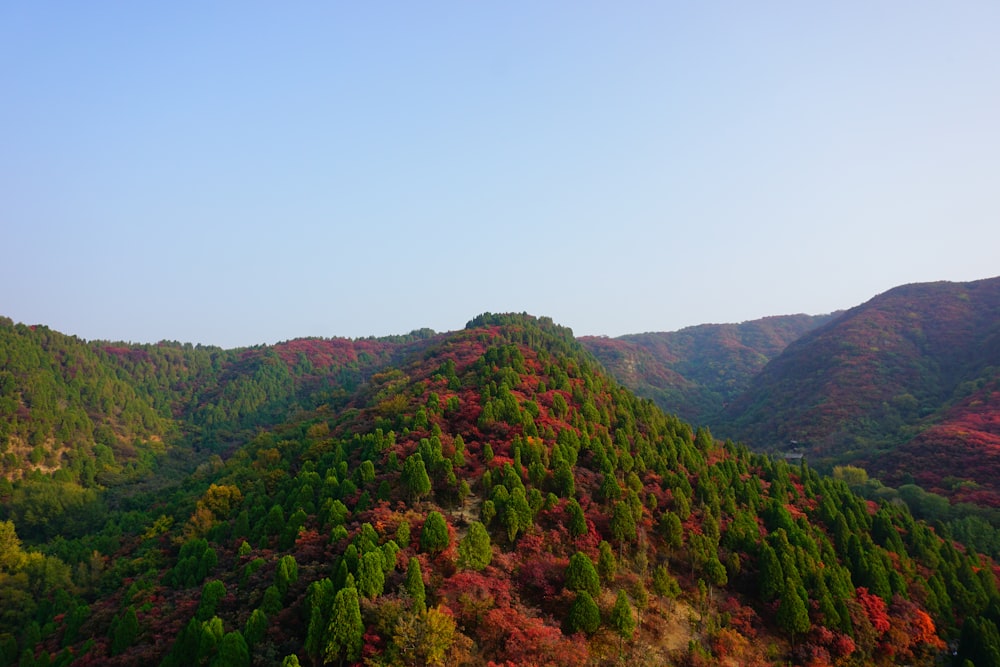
x=696 y=371
x=905 y=383
x=486 y=496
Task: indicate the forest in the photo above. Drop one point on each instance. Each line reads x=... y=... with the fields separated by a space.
x=489 y=496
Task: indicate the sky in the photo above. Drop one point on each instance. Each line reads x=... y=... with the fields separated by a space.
x=237 y=173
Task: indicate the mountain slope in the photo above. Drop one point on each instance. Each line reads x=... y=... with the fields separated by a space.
x=696 y=371
x=878 y=376
x=492 y=497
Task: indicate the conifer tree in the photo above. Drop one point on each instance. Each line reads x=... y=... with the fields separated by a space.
x=581 y=575
x=371 y=579
x=475 y=551
x=584 y=615
x=623 y=619
x=793 y=615
x=414 y=585
x=607 y=564
x=346 y=629
x=434 y=537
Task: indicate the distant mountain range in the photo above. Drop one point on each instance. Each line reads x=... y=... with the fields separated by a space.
x=905 y=384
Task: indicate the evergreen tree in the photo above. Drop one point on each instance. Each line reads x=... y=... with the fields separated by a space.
x=256 y=627
x=346 y=629
x=584 y=615
x=414 y=585
x=793 y=615
x=474 y=550
x=434 y=537
x=371 y=579
x=607 y=564
x=623 y=619
x=577 y=519
x=124 y=632
x=232 y=652
x=581 y=575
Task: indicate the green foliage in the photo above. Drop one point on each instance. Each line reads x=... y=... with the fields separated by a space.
x=607 y=564
x=371 y=578
x=346 y=629
x=124 y=631
x=584 y=615
x=581 y=575
x=211 y=594
x=414 y=585
x=475 y=550
x=434 y=537
x=232 y=651
x=623 y=617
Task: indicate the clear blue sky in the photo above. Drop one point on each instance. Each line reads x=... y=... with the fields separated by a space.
x=249 y=172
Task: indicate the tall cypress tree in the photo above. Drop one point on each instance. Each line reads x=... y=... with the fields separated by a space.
x=346 y=630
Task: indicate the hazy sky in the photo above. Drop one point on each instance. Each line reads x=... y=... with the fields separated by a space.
x=249 y=172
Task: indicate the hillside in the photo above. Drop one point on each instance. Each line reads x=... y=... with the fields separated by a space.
x=486 y=496
x=908 y=369
x=696 y=371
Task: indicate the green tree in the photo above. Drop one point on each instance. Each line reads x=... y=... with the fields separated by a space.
x=584 y=615
x=232 y=652
x=607 y=564
x=623 y=619
x=474 y=550
x=577 y=519
x=771 y=579
x=414 y=477
x=256 y=627
x=124 y=632
x=581 y=575
x=211 y=594
x=346 y=630
x=414 y=584
x=434 y=537
x=793 y=615
x=371 y=578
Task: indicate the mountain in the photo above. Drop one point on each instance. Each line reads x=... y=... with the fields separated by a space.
x=904 y=383
x=696 y=371
x=482 y=497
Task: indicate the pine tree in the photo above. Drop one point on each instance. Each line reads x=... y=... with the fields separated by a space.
x=434 y=537
x=581 y=575
x=414 y=585
x=475 y=551
x=623 y=619
x=584 y=615
x=793 y=615
x=233 y=651
x=607 y=564
x=346 y=629
x=371 y=579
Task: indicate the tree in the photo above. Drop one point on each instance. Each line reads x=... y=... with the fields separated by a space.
x=424 y=638
x=414 y=584
x=581 y=575
x=414 y=478
x=607 y=564
x=346 y=631
x=211 y=594
x=623 y=619
x=371 y=578
x=577 y=519
x=255 y=628
x=124 y=632
x=584 y=615
x=623 y=526
x=233 y=651
x=434 y=537
x=793 y=615
x=474 y=550
x=771 y=580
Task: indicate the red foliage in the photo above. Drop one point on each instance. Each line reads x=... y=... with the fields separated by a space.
x=875 y=609
x=525 y=640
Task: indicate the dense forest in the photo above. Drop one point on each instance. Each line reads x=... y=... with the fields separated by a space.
x=489 y=496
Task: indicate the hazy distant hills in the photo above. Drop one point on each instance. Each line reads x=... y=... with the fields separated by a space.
x=915 y=366
x=905 y=384
x=696 y=371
